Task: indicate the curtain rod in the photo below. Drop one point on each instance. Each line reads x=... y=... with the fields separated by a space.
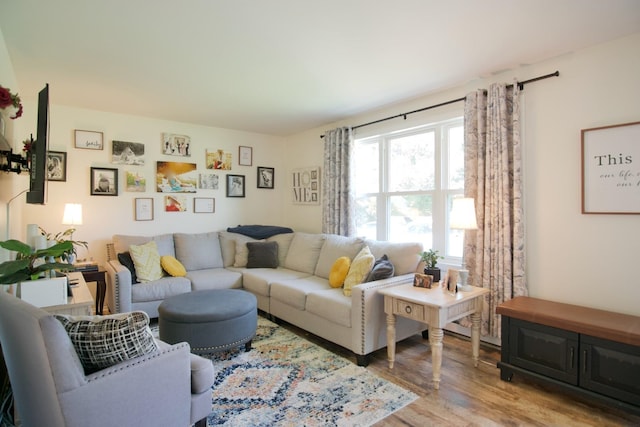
x=453 y=101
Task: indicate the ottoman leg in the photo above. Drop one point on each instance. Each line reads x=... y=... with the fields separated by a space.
x=247 y=346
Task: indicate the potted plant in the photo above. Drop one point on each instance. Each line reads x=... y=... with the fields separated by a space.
x=31 y=267
x=430 y=259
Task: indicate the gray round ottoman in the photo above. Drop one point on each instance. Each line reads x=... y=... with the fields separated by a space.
x=210 y=321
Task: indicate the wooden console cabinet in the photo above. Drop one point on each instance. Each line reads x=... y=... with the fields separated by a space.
x=592 y=352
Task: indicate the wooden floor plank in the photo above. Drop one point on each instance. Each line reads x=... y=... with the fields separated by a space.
x=471 y=396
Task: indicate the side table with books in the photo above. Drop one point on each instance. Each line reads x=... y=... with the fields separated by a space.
x=91 y=273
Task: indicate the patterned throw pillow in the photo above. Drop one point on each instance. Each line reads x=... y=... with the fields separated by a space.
x=339 y=271
x=172 y=266
x=103 y=341
x=147 y=261
x=359 y=269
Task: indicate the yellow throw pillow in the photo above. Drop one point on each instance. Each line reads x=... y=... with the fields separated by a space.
x=172 y=266
x=339 y=271
x=359 y=269
x=146 y=260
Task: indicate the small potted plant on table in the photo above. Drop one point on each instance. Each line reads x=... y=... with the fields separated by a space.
x=430 y=258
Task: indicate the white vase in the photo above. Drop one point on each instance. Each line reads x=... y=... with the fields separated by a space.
x=9 y=112
x=43 y=292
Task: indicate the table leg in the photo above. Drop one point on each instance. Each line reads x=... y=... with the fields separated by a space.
x=391 y=339
x=435 y=339
x=101 y=291
x=475 y=337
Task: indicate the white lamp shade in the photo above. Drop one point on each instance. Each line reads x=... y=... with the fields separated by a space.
x=72 y=214
x=463 y=214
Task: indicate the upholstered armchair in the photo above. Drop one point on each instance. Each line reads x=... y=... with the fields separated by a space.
x=167 y=387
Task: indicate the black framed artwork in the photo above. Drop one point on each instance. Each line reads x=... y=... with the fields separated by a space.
x=265 y=177
x=235 y=185
x=56 y=166
x=104 y=182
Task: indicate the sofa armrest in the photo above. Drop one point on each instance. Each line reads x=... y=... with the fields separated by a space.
x=118 y=287
x=368 y=319
x=154 y=389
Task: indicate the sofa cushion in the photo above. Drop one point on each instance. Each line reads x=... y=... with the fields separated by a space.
x=198 y=251
x=122 y=242
x=125 y=259
x=330 y=304
x=160 y=289
x=284 y=241
x=103 y=341
x=360 y=267
x=339 y=271
x=258 y=281
x=333 y=248
x=405 y=257
x=294 y=292
x=262 y=255
x=214 y=278
x=172 y=266
x=382 y=269
x=304 y=252
x=146 y=260
x=242 y=252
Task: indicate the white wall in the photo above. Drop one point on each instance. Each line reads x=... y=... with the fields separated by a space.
x=107 y=215
x=588 y=260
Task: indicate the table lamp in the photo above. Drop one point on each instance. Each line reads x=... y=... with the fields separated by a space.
x=72 y=215
x=463 y=217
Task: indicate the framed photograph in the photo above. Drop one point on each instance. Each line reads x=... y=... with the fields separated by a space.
x=245 y=156
x=176 y=145
x=175 y=203
x=127 y=153
x=104 y=182
x=611 y=170
x=422 y=280
x=218 y=159
x=56 y=166
x=144 y=209
x=208 y=181
x=235 y=185
x=451 y=281
x=204 y=205
x=89 y=140
x=135 y=181
x=265 y=177
x=176 y=177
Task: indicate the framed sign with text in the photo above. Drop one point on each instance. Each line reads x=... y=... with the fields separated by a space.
x=306 y=186
x=611 y=169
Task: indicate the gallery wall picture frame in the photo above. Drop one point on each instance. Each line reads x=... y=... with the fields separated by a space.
x=235 y=185
x=266 y=177
x=175 y=203
x=245 y=155
x=176 y=177
x=143 y=209
x=305 y=184
x=56 y=166
x=611 y=169
x=204 y=205
x=89 y=140
x=104 y=181
x=127 y=153
x=176 y=145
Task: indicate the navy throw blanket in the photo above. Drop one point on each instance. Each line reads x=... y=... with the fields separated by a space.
x=259 y=231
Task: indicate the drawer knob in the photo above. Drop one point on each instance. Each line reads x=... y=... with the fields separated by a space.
x=407 y=309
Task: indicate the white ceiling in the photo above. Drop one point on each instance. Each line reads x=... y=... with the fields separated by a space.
x=283 y=66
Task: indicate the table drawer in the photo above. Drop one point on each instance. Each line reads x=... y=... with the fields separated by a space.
x=408 y=309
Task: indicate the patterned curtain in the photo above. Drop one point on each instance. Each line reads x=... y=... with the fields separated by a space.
x=493 y=176
x=337 y=201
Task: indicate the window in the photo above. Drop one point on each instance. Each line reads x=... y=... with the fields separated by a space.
x=405 y=181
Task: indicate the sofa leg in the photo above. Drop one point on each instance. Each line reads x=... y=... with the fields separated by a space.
x=425 y=334
x=247 y=346
x=201 y=423
x=362 y=360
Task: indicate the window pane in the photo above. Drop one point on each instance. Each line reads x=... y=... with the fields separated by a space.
x=455 y=237
x=410 y=219
x=366 y=217
x=366 y=167
x=412 y=162
x=456 y=157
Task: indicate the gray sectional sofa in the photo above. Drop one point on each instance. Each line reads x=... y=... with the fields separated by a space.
x=297 y=290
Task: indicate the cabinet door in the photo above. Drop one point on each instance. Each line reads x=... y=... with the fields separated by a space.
x=548 y=351
x=610 y=368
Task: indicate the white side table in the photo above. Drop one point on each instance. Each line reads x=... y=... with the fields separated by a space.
x=80 y=303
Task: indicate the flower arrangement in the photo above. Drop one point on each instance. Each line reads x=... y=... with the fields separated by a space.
x=8 y=99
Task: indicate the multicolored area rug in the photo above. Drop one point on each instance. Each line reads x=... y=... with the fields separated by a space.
x=286 y=380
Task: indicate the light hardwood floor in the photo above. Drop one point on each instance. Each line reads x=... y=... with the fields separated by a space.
x=471 y=396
